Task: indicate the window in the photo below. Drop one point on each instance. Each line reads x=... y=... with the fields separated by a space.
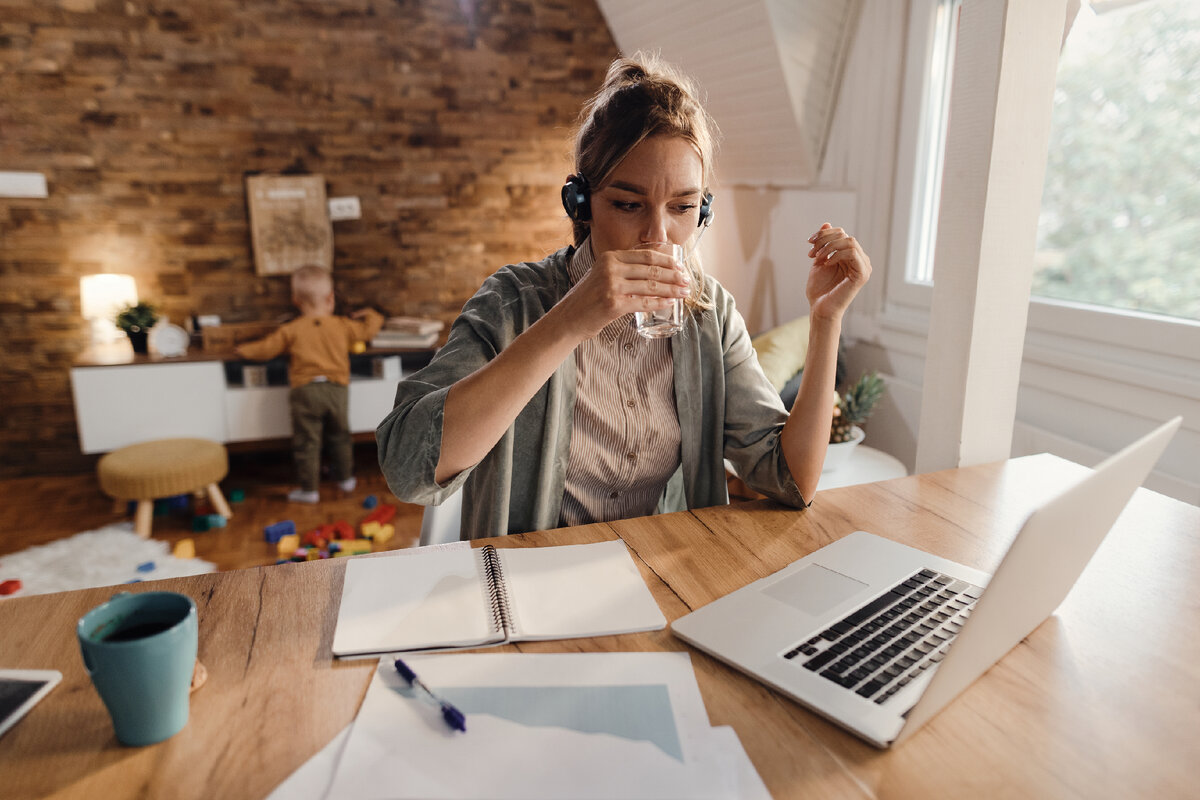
x=1120 y=217
x=927 y=179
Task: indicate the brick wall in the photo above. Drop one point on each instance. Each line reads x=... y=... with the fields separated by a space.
x=449 y=119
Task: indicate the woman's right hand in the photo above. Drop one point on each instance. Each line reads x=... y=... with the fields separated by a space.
x=619 y=283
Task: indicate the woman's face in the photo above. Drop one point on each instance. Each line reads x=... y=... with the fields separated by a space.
x=653 y=195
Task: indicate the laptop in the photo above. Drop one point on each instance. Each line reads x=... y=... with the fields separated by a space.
x=879 y=637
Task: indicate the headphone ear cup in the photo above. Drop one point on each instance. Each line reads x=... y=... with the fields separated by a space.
x=706 y=212
x=575 y=198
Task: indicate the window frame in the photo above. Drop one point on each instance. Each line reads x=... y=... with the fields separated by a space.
x=1149 y=348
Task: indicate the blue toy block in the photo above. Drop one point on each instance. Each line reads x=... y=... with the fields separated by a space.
x=370 y=501
x=145 y=566
x=179 y=502
x=273 y=533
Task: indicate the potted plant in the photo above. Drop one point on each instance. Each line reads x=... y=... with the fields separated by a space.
x=137 y=320
x=850 y=410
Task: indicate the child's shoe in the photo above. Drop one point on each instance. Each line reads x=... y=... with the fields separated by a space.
x=348 y=484
x=301 y=496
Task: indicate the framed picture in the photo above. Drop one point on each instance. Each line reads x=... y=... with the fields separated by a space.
x=289 y=223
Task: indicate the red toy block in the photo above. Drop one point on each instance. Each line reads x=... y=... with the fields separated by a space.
x=382 y=514
x=315 y=538
x=10 y=587
x=343 y=530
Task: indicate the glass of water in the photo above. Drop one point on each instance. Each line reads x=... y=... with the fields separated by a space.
x=662 y=322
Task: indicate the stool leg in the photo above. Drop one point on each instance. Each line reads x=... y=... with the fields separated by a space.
x=218 y=501
x=143 y=517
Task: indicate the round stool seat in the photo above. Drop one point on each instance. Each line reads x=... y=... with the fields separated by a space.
x=162 y=468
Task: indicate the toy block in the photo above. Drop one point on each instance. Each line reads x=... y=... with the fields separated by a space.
x=288 y=543
x=273 y=533
x=314 y=538
x=343 y=530
x=384 y=533
x=370 y=529
x=145 y=566
x=184 y=548
x=382 y=514
x=162 y=508
x=314 y=553
x=203 y=509
x=216 y=521
x=370 y=501
x=237 y=495
x=10 y=586
x=201 y=523
x=178 y=502
x=334 y=547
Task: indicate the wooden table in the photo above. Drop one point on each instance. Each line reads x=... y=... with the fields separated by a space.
x=1101 y=701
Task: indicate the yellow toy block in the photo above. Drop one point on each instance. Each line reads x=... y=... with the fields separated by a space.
x=354 y=547
x=384 y=533
x=184 y=548
x=370 y=529
x=288 y=544
x=313 y=554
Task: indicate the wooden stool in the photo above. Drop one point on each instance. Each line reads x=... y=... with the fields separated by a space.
x=164 y=468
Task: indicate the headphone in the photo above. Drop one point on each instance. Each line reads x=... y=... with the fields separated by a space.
x=576 y=199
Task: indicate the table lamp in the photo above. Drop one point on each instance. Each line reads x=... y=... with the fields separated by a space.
x=100 y=298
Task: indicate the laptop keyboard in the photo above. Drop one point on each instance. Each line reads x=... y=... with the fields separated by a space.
x=880 y=648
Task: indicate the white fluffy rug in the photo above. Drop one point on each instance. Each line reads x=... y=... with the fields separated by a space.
x=105 y=557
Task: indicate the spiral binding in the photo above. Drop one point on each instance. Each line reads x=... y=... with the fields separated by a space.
x=497 y=591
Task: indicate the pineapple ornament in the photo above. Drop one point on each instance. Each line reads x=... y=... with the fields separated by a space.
x=854 y=406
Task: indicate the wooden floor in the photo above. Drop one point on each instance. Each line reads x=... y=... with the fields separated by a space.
x=39 y=510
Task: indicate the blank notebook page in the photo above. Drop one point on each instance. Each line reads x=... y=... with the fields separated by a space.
x=577 y=590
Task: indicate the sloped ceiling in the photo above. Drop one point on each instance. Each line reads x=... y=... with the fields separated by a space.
x=771 y=70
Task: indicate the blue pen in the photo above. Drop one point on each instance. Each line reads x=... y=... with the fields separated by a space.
x=454 y=718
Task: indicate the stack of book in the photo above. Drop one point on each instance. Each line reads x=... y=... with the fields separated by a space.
x=404 y=332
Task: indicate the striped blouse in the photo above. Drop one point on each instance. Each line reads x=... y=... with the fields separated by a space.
x=625 y=435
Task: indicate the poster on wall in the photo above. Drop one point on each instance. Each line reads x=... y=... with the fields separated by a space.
x=289 y=223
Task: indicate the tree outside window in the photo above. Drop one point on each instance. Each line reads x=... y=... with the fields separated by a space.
x=1120 y=218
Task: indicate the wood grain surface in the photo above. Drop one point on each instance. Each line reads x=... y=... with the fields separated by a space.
x=1100 y=701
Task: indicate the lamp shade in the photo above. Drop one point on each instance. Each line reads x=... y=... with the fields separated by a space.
x=101 y=297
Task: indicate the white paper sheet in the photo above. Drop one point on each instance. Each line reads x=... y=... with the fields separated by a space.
x=587 y=725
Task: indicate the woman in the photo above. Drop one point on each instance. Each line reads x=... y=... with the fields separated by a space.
x=547 y=409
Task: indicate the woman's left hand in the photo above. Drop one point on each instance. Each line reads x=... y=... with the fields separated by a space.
x=840 y=268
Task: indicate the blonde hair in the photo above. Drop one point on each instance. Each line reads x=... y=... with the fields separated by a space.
x=311 y=284
x=642 y=96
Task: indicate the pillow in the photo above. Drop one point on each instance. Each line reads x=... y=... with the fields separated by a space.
x=781 y=351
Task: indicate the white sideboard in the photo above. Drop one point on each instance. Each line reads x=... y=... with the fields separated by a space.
x=116 y=405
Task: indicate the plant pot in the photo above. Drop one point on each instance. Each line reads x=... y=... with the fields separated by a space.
x=139 y=340
x=839 y=453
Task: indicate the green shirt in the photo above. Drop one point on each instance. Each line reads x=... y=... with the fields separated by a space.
x=727 y=410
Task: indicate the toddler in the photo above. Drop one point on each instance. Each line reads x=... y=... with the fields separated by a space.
x=318 y=344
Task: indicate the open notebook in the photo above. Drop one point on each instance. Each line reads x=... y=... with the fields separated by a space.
x=467 y=598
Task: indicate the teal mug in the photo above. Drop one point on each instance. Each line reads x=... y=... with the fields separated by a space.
x=140 y=651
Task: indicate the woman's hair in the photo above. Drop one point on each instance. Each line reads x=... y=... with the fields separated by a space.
x=311 y=284
x=642 y=96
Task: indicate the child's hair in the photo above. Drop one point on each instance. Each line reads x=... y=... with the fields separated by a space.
x=311 y=284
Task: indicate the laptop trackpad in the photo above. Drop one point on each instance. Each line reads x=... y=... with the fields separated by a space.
x=814 y=589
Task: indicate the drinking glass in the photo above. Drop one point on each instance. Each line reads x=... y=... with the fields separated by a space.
x=662 y=322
